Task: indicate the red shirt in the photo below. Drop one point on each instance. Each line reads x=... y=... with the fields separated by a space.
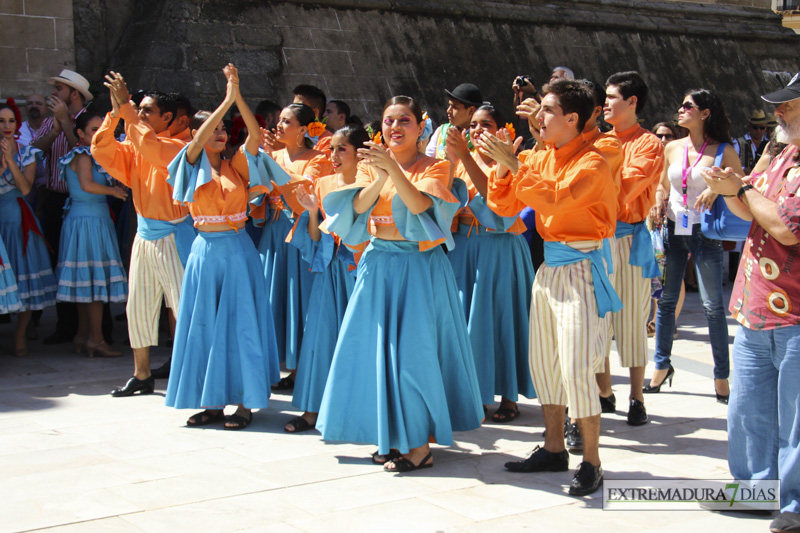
x=766 y=294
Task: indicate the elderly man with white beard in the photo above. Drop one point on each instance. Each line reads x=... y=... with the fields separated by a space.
x=764 y=410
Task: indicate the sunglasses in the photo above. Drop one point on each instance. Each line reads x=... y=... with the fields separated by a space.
x=667 y=136
x=752 y=126
x=686 y=106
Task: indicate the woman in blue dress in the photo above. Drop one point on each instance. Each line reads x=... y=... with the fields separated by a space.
x=289 y=279
x=402 y=374
x=224 y=352
x=89 y=270
x=19 y=229
x=494 y=274
x=335 y=265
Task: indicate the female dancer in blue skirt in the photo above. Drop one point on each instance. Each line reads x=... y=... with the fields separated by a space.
x=224 y=351
x=19 y=229
x=289 y=279
x=494 y=275
x=89 y=269
x=331 y=290
x=402 y=373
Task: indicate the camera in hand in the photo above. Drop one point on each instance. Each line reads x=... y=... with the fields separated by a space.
x=521 y=81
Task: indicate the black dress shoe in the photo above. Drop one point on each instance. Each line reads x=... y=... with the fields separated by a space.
x=609 y=404
x=541 y=461
x=142 y=386
x=162 y=372
x=574 y=440
x=637 y=414
x=587 y=479
x=59 y=337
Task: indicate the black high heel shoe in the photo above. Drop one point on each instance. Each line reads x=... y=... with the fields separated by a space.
x=657 y=388
x=720 y=397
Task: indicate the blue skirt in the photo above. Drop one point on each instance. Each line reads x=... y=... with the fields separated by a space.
x=494 y=275
x=402 y=372
x=224 y=351
x=89 y=266
x=329 y=296
x=9 y=295
x=289 y=282
x=36 y=284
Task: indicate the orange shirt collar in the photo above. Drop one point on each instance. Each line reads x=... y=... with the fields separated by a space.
x=630 y=132
x=568 y=151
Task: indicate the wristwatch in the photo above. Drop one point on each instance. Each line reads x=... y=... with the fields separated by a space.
x=743 y=190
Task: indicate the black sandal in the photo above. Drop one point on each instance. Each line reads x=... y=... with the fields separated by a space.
x=238 y=421
x=204 y=418
x=505 y=414
x=298 y=425
x=286 y=383
x=404 y=464
x=381 y=460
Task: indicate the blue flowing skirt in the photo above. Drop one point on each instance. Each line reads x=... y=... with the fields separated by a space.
x=224 y=351
x=329 y=296
x=9 y=295
x=89 y=266
x=402 y=371
x=36 y=284
x=494 y=275
x=289 y=282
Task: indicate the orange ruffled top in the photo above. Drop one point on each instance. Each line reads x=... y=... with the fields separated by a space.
x=223 y=200
x=465 y=216
x=303 y=171
x=430 y=176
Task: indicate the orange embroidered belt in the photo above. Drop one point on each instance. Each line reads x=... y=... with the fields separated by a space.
x=219 y=219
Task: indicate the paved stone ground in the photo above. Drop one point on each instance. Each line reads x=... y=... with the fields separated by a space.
x=74 y=459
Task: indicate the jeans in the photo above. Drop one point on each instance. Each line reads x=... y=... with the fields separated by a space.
x=764 y=410
x=707 y=256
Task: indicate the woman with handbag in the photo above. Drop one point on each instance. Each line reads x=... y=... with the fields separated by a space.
x=708 y=143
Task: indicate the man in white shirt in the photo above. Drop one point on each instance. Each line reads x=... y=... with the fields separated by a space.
x=36 y=110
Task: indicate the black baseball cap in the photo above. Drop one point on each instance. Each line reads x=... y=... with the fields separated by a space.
x=788 y=93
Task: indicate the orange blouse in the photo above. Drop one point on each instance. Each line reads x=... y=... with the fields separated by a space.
x=303 y=170
x=430 y=176
x=570 y=188
x=641 y=171
x=223 y=199
x=140 y=162
x=465 y=216
x=324 y=143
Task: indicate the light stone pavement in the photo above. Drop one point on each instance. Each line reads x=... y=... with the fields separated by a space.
x=74 y=459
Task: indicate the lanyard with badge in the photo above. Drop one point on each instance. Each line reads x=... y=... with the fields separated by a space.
x=683 y=228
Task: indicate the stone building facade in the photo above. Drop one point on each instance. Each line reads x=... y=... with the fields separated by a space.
x=364 y=51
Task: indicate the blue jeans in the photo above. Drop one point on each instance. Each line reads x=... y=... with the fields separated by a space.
x=764 y=410
x=707 y=256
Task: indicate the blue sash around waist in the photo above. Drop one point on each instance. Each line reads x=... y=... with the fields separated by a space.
x=642 y=254
x=150 y=229
x=559 y=254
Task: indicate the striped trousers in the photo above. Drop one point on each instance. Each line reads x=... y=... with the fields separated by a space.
x=566 y=338
x=629 y=325
x=156 y=272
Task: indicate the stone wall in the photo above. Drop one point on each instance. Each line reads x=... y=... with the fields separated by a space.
x=364 y=51
x=36 y=42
